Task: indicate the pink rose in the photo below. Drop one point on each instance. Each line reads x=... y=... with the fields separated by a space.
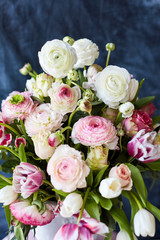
x=27 y=179
x=149 y=108
x=139 y=120
x=142 y=147
x=30 y=215
x=123 y=174
x=67 y=169
x=5 y=139
x=94 y=131
x=18 y=105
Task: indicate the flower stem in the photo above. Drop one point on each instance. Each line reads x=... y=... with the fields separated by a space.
x=69 y=123
x=66 y=128
x=9 y=150
x=84 y=202
x=131 y=159
x=5 y=179
x=45 y=199
x=108 y=57
x=47 y=182
x=44 y=192
x=78 y=86
x=10 y=128
x=136 y=200
x=120 y=143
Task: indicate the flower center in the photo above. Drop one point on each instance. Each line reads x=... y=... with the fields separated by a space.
x=17 y=99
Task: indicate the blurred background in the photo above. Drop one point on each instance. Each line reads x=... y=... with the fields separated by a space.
x=134 y=27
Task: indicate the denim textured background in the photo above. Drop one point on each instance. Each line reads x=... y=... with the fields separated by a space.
x=133 y=25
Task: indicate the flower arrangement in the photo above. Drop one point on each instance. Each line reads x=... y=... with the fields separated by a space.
x=76 y=141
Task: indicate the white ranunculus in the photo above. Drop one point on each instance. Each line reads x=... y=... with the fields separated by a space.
x=86 y=51
x=126 y=109
x=123 y=235
x=114 y=86
x=7 y=195
x=41 y=145
x=144 y=223
x=30 y=85
x=110 y=188
x=71 y=205
x=57 y=58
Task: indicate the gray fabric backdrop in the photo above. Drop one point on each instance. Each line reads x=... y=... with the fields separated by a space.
x=134 y=26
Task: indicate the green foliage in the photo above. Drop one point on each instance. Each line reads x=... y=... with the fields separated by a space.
x=139 y=87
x=10 y=164
x=8 y=215
x=154 y=210
x=105 y=203
x=143 y=101
x=60 y=192
x=99 y=176
x=90 y=179
x=95 y=196
x=156 y=120
x=22 y=153
x=93 y=209
x=155 y=166
x=18 y=232
x=81 y=78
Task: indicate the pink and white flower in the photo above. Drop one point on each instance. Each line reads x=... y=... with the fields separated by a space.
x=91 y=73
x=5 y=139
x=142 y=147
x=149 y=108
x=94 y=131
x=67 y=169
x=20 y=140
x=18 y=105
x=123 y=174
x=139 y=120
x=43 y=119
x=29 y=214
x=27 y=179
x=63 y=97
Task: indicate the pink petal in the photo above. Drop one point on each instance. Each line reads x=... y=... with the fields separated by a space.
x=6 y=139
x=94 y=226
x=85 y=234
x=67 y=232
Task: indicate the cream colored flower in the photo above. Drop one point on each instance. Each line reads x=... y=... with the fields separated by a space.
x=110 y=188
x=8 y=195
x=126 y=109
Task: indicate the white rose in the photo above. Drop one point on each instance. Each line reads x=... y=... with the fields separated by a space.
x=71 y=205
x=64 y=98
x=123 y=235
x=86 y=51
x=114 y=86
x=144 y=223
x=110 y=188
x=7 y=195
x=126 y=109
x=43 y=118
x=57 y=58
x=41 y=146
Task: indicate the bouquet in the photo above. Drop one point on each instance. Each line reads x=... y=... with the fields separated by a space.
x=76 y=142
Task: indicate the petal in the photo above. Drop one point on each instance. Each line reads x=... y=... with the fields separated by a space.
x=85 y=234
x=67 y=231
x=94 y=226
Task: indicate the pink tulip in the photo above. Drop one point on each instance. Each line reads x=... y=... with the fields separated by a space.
x=142 y=147
x=27 y=179
x=5 y=139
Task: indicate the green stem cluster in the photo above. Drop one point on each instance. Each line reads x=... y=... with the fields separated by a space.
x=84 y=202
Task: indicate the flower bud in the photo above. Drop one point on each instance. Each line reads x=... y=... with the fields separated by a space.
x=110 y=114
x=26 y=69
x=7 y=195
x=73 y=75
x=68 y=40
x=44 y=83
x=85 y=106
x=20 y=140
x=71 y=205
x=121 y=133
x=110 y=188
x=123 y=235
x=110 y=46
x=88 y=95
x=55 y=139
x=126 y=109
x=97 y=158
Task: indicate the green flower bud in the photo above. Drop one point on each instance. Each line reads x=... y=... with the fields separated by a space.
x=110 y=46
x=25 y=69
x=73 y=75
x=88 y=95
x=85 y=105
x=17 y=99
x=68 y=40
x=121 y=133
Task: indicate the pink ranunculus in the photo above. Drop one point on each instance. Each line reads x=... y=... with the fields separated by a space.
x=20 y=140
x=142 y=147
x=149 y=108
x=29 y=214
x=123 y=174
x=43 y=119
x=5 y=139
x=27 y=179
x=139 y=120
x=94 y=131
x=18 y=105
x=67 y=169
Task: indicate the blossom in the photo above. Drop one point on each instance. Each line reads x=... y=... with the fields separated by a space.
x=139 y=120
x=67 y=169
x=110 y=114
x=123 y=174
x=142 y=147
x=8 y=195
x=57 y=58
x=42 y=147
x=123 y=235
x=43 y=118
x=91 y=73
x=126 y=109
x=144 y=223
x=55 y=139
x=18 y=105
x=64 y=98
x=20 y=140
x=26 y=69
x=71 y=205
x=86 y=51
x=149 y=108
x=94 y=131
x=114 y=86
x=29 y=214
x=110 y=187
x=27 y=179
x=5 y=139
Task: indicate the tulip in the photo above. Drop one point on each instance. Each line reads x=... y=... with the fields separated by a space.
x=123 y=235
x=110 y=188
x=7 y=195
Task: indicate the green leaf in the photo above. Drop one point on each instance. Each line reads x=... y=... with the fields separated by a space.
x=37 y=99
x=156 y=120
x=99 y=176
x=155 y=166
x=139 y=87
x=9 y=164
x=119 y=118
x=94 y=196
x=3 y=183
x=81 y=78
x=120 y=217
x=18 y=232
x=22 y=153
x=8 y=215
x=143 y=101
x=105 y=203
x=154 y=210
x=29 y=140
x=90 y=179
x=138 y=183
x=92 y=209
x=60 y=192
